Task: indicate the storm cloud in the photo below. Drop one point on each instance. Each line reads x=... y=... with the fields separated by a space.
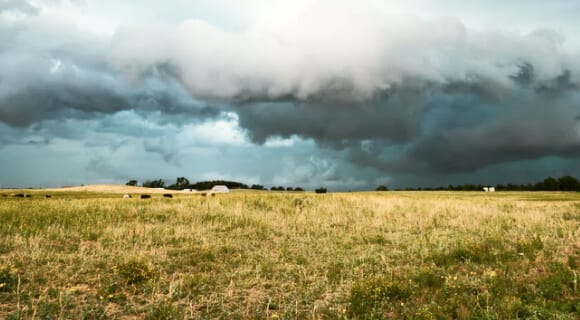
x=380 y=92
x=50 y=69
x=448 y=98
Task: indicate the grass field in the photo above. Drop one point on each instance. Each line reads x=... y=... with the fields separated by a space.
x=268 y=255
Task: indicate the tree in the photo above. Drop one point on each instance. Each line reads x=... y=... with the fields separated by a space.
x=257 y=187
x=382 y=188
x=154 y=184
x=180 y=184
x=320 y=190
x=569 y=183
x=132 y=183
x=298 y=189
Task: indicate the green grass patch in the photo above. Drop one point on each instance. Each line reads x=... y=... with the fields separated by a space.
x=135 y=271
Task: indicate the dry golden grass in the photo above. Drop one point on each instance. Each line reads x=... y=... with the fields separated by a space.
x=248 y=255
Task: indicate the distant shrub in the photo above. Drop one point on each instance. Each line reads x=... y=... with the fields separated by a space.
x=320 y=190
x=382 y=188
x=154 y=184
x=132 y=183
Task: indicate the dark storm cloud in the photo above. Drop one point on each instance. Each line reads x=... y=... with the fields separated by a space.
x=458 y=127
x=393 y=118
x=529 y=130
x=86 y=100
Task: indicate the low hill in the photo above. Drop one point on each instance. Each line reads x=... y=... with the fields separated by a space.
x=106 y=188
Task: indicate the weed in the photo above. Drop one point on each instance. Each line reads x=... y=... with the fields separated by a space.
x=530 y=248
x=373 y=297
x=93 y=312
x=112 y=292
x=430 y=279
x=557 y=283
x=8 y=278
x=488 y=251
x=335 y=273
x=164 y=311
x=575 y=216
x=135 y=271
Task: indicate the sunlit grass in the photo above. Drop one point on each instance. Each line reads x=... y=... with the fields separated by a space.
x=407 y=255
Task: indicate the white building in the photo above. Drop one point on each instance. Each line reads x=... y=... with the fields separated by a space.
x=220 y=189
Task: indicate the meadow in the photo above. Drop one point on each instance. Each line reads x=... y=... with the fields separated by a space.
x=286 y=255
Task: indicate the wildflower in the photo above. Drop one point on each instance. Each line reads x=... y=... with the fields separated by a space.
x=490 y=273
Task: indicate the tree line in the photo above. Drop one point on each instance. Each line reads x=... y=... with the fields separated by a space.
x=182 y=183
x=565 y=183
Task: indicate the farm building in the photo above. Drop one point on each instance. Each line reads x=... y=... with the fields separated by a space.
x=220 y=189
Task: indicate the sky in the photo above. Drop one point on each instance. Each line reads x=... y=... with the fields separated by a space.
x=343 y=94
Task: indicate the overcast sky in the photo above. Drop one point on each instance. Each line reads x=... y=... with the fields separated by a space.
x=343 y=94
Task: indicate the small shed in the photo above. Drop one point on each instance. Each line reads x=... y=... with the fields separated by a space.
x=220 y=189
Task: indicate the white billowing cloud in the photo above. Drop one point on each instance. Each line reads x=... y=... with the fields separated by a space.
x=213 y=133
x=277 y=142
x=322 y=48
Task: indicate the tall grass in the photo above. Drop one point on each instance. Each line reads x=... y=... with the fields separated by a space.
x=248 y=255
